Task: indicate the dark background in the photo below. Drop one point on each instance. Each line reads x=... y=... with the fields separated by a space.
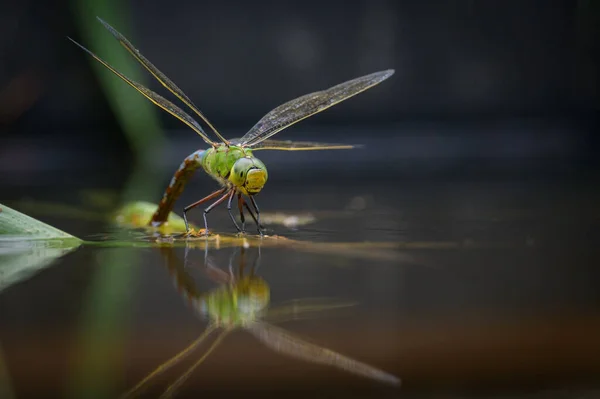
x=480 y=151
x=499 y=80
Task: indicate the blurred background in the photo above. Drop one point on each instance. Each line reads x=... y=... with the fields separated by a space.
x=479 y=170
x=480 y=87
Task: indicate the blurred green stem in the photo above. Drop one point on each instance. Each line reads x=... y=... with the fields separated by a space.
x=137 y=116
x=104 y=322
x=105 y=313
x=6 y=390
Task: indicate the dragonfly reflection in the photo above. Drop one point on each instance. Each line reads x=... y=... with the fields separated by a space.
x=241 y=301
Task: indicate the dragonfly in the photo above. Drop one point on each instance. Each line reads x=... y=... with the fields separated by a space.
x=232 y=162
x=242 y=302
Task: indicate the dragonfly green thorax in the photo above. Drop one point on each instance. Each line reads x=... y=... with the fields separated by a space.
x=237 y=166
x=240 y=176
x=238 y=304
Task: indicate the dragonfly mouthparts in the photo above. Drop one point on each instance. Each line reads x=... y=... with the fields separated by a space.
x=255 y=180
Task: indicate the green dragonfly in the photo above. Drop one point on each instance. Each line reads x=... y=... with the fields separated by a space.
x=242 y=302
x=232 y=162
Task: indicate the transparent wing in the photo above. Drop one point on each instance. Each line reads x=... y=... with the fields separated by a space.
x=165 y=81
x=170 y=391
x=155 y=98
x=305 y=308
x=173 y=361
x=288 y=344
x=287 y=145
x=302 y=107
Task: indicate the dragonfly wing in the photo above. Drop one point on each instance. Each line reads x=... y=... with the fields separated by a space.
x=298 y=309
x=302 y=107
x=161 y=77
x=170 y=391
x=173 y=361
x=282 y=341
x=154 y=98
x=287 y=145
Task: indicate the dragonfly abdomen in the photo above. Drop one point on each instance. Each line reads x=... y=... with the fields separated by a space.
x=175 y=188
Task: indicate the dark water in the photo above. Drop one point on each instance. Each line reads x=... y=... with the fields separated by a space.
x=475 y=288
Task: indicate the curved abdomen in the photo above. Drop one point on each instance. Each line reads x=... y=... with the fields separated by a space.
x=175 y=188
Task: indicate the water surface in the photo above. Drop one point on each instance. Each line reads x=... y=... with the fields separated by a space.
x=472 y=288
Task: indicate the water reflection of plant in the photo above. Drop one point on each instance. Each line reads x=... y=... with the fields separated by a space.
x=242 y=301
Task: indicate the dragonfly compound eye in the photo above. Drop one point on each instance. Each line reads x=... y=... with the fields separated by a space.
x=239 y=171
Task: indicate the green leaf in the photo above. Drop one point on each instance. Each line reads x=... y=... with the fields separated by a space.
x=16 y=226
x=28 y=246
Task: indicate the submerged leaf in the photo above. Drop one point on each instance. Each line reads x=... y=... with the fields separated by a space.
x=139 y=213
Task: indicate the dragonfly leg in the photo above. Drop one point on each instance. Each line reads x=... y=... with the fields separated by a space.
x=232 y=275
x=211 y=207
x=241 y=209
x=242 y=203
x=242 y=266
x=195 y=204
x=250 y=211
x=256 y=263
x=229 y=210
x=258 y=225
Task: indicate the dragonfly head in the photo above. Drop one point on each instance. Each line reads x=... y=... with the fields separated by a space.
x=253 y=294
x=249 y=175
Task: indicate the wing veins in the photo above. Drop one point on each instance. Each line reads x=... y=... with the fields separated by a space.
x=291 y=345
x=161 y=77
x=288 y=145
x=305 y=106
x=155 y=98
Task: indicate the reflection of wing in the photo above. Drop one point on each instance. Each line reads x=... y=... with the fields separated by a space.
x=299 y=309
x=174 y=386
x=165 y=81
x=284 y=342
x=176 y=359
x=287 y=145
x=302 y=107
x=155 y=98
